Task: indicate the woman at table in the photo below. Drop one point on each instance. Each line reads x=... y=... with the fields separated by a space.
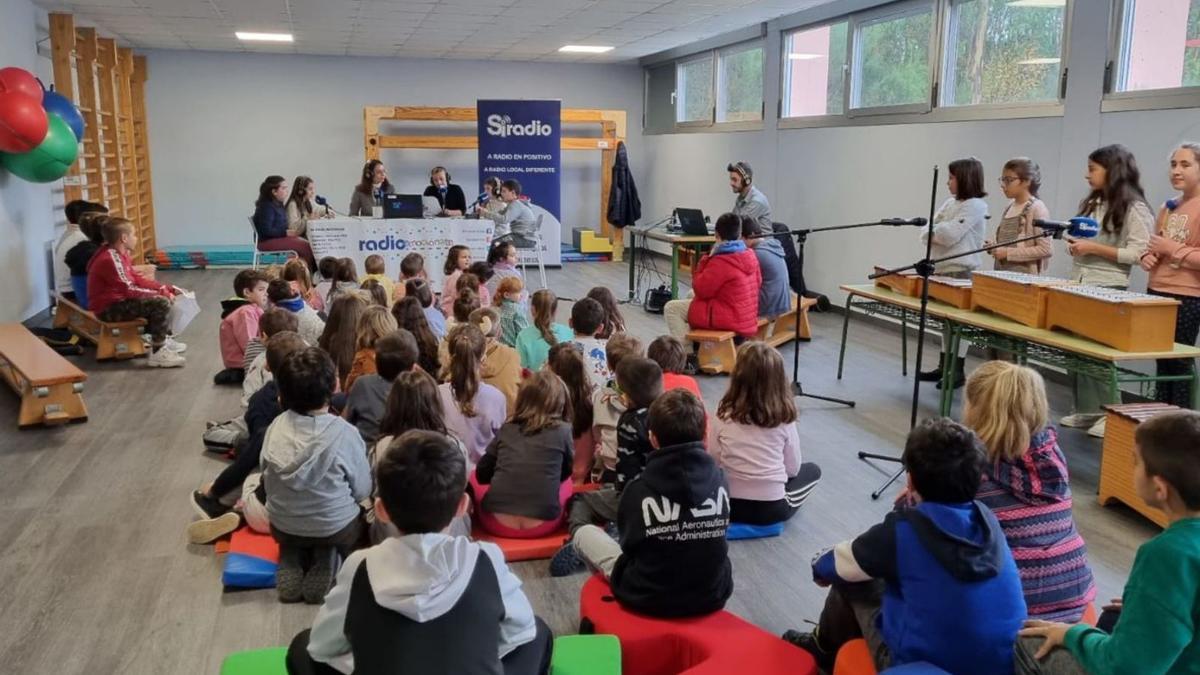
x=271 y=223
x=1173 y=261
x=371 y=188
x=450 y=196
x=301 y=208
x=514 y=219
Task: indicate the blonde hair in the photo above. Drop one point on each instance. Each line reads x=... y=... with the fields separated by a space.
x=374 y=323
x=112 y=228
x=1006 y=405
x=297 y=270
x=507 y=285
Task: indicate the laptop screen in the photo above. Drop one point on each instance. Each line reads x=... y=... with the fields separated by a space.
x=402 y=206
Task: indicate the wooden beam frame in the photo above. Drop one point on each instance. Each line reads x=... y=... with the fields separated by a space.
x=612 y=131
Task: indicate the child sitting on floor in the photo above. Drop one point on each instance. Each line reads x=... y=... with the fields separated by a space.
x=412 y=318
x=513 y=319
x=466 y=302
x=474 y=409
x=340 y=337
x=754 y=439
x=566 y=362
x=607 y=404
x=1025 y=484
x=1159 y=626
x=482 y=272
x=395 y=353
x=345 y=280
x=672 y=560
x=613 y=321
x=670 y=354
x=933 y=583
x=419 y=289
x=434 y=602
x=587 y=320
x=284 y=296
x=374 y=323
x=295 y=272
x=535 y=341
x=377 y=271
x=326 y=269
x=458 y=259
x=502 y=256
x=412 y=266
x=239 y=323
x=523 y=480
x=501 y=365
x=640 y=383
x=374 y=292
x=315 y=472
x=213 y=502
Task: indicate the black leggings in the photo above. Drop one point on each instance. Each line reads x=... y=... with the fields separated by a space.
x=245 y=463
x=531 y=658
x=1187 y=326
x=756 y=512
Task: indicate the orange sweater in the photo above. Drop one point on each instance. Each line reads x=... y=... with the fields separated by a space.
x=1182 y=227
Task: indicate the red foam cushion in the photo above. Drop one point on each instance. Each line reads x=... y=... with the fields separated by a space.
x=714 y=644
x=854 y=658
x=539 y=548
x=249 y=542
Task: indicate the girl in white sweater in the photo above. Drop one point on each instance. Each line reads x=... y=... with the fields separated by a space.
x=958 y=226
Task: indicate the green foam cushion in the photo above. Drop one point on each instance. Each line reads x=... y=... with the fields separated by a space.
x=586 y=655
x=269 y=661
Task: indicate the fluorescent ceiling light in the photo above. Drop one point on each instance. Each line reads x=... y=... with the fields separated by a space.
x=1039 y=62
x=805 y=57
x=1038 y=3
x=264 y=37
x=584 y=49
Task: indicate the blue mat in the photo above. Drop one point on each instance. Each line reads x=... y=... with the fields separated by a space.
x=743 y=531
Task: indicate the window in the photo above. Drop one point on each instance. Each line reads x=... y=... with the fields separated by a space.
x=891 y=59
x=1158 y=45
x=694 y=90
x=814 y=79
x=740 y=83
x=1003 y=51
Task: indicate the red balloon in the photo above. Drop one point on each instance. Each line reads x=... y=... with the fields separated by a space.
x=23 y=122
x=22 y=81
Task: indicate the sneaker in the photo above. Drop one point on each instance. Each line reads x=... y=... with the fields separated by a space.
x=289 y=576
x=211 y=529
x=207 y=507
x=1080 y=420
x=1097 y=429
x=808 y=642
x=175 y=345
x=232 y=376
x=930 y=375
x=164 y=358
x=319 y=577
x=566 y=561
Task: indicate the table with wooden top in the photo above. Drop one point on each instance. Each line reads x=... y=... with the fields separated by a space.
x=1077 y=355
x=675 y=240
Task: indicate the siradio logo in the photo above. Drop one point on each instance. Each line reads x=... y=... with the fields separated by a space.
x=387 y=243
x=502 y=126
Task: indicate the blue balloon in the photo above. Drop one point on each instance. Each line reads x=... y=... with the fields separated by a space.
x=58 y=104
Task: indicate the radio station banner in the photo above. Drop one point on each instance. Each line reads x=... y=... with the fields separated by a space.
x=523 y=140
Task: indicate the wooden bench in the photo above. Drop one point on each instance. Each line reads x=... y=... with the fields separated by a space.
x=113 y=340
x=717 y=351
x=782 y=329
x=50 y=386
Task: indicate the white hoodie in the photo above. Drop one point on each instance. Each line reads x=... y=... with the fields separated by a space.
x=421 y=576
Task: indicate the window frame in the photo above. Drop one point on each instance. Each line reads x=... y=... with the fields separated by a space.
x=892 y=12
x=1142 y=99
x=679 y=101
x=719 y=80
x=828 y=119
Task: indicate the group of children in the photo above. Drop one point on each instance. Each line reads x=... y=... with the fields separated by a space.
x=382 y=442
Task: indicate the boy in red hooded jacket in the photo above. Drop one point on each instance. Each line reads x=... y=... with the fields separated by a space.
x=116 y=292
x=725 y=285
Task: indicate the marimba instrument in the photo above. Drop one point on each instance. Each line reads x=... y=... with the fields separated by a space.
x=1116 y=464
x=904 y=284
x=1015 y=295
x=952 y=291
x=1131 y=322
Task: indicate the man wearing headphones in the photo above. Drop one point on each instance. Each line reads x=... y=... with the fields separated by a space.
x=449 y=195
x=750 y=201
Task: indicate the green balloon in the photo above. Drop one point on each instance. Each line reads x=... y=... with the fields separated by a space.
x=50 y=160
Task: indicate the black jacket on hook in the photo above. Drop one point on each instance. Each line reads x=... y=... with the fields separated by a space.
x=624 y=207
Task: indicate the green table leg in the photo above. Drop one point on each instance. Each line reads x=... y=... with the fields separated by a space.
x=1195 y=384
x=674 y=271
x=632 y=253
x=845 y=330
x=904 y=342
x=950 y=340
x=1114 y=387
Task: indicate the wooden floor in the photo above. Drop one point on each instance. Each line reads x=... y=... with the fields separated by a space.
x=96 y=575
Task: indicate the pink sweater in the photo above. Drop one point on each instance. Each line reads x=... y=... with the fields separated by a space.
x=237 y=330
x=757 y=461
x=1182 y=228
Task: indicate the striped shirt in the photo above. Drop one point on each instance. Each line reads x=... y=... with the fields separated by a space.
x=1031 y=498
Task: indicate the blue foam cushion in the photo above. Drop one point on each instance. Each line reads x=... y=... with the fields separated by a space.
x=915 y=668
x=745 y=531
x=247 y=571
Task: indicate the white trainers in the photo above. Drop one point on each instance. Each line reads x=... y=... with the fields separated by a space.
x=1097 y=429
x=164 y=358
x=209 y=530
x=1080 y=420
x=175 y=345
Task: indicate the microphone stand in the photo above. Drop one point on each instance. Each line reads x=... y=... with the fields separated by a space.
x=925 y=268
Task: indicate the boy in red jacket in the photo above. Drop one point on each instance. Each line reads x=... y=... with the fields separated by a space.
x=725 y=286
x=116 y=292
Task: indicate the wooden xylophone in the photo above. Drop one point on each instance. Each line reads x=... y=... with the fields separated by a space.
x=904 y=284
x=1132 y=322
x=1015 y=295
x=953 y=292
x=1116 y=464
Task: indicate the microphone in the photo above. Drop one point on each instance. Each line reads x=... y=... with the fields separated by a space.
x=321 y=201
x=919 y=222
x=1079 y=227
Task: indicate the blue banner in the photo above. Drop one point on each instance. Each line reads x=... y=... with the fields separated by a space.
x=523 y=140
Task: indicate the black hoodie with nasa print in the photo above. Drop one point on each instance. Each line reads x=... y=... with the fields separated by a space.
x=674 y=558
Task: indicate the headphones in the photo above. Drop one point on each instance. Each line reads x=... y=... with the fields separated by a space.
x=369 y=170
x=742 y=169
x=435 y=171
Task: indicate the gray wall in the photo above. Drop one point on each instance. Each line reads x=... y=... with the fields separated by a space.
x=219 y=123
x=828 y=176
x=27 y=219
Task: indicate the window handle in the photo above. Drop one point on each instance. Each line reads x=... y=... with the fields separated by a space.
x=1062 y=83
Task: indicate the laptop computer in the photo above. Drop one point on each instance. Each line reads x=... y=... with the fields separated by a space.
x=691 y=222
x=430 y=207
x=402 y=206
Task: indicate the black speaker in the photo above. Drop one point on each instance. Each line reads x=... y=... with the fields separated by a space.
x=656 y=299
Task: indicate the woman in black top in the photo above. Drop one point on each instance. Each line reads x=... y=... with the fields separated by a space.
x=449 y=195
x=270 y=221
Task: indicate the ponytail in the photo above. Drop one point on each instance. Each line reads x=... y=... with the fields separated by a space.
x=545 y=307
x=466 y=345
